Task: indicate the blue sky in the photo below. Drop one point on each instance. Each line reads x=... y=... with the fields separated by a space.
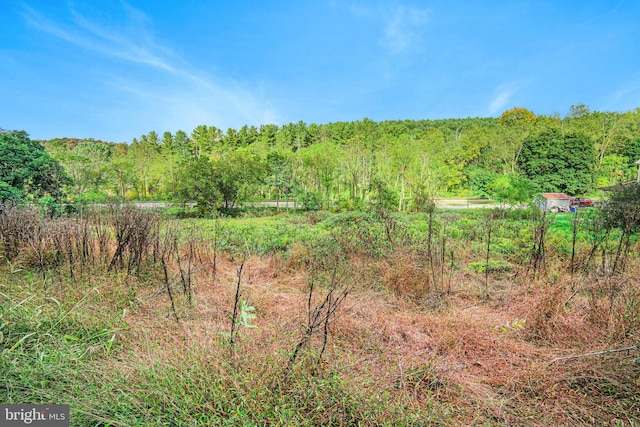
x=114 y=69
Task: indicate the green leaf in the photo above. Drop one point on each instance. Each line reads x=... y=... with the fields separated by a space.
x=16 y=345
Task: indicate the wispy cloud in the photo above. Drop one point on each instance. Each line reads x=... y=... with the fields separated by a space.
x=402 y=28
x=501 y=98
x=200 y=94
x=111 y=42
x=401 y=25
x=186 y=107
x=625 y=97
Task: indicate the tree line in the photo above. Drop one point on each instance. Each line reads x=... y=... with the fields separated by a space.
x=400 y=164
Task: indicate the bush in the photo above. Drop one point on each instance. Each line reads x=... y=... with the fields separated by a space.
x=9 y=193
x=494 y=266
x=309 y=200
x=622 y=210
x=49 y=207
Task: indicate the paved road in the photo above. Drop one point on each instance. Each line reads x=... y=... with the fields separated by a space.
x=440 y=203
x=284 y=204
x=465 y=204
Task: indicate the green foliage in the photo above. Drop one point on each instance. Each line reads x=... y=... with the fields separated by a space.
x=196 y=181
x=321 y=163
x=309 y=200
x=479 y=179
x=90 y=197
x=49 y=206
x=9 y=193
x=517 y=115
x=631 y=152
x=344 y=162
x=280 y=178
x=218 y=183
x=515 y=325
x=381 y=195
x=204 y=141
x=89 y=165
x=554 y=162
x=511 y=189
x=622 y=209
x=246 y=315
x=264 y=235
x=144 y=156
x=613 y=169
x=237 y=174
x=495 y=265
x=26 y=169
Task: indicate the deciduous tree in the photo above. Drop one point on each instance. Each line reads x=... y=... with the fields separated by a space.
x=26 y=169
x=553 y=162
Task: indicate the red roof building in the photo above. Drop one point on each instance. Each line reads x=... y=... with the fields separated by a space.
x=553 y=201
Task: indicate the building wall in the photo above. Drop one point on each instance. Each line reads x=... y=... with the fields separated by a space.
x=550 y=204
x=556 y=203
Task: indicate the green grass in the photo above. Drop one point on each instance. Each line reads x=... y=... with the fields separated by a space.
x=258 y=235
x=511 y=230
x=70 y=350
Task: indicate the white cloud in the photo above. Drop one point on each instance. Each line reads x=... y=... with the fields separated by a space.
x=626 y=96
x=400 y=25
x=91 y=36
x=503 y=95
x=187 y=96
x=402 y=28
x=183 y=107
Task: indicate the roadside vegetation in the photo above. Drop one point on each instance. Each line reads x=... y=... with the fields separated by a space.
x=481 y=317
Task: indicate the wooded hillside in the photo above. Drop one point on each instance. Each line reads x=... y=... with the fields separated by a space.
x=346 y=165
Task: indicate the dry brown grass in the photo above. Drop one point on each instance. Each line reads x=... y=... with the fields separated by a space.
x=457 y=355
x=485 y=356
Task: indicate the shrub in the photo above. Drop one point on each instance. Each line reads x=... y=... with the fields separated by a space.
x=309 y=200
x=494 y=266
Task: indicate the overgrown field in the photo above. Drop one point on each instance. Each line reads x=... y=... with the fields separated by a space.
x=440 y=318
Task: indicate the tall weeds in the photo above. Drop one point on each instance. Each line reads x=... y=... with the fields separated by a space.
x=344 y=337
x=17 y=228
x=135 y=233
x=328 y=277
x=541 y=224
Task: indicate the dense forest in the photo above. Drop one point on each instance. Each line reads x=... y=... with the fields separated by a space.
x=349 y=165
